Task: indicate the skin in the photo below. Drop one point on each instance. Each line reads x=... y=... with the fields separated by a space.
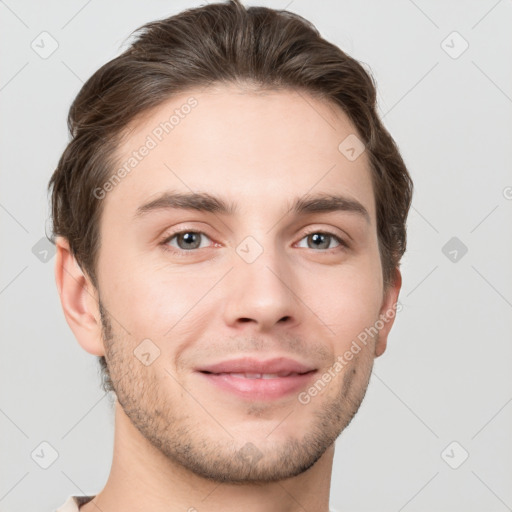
x=179 y=441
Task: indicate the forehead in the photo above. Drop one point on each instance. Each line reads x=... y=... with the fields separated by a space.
x=233 y=141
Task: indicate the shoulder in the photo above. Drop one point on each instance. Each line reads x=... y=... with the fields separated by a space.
x=74 y=503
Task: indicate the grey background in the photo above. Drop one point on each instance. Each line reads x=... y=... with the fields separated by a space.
x=446 y=375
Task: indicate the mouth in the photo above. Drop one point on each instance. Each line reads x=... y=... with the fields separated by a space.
x=254 y=379
x=257 y=375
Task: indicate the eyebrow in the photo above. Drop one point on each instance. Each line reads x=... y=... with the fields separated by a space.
x=202 y=201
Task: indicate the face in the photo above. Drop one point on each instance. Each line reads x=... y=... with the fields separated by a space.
x=230 y=307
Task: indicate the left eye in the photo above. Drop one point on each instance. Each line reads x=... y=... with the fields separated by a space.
x=321 y=240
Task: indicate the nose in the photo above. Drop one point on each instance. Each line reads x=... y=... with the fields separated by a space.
x=262 y=294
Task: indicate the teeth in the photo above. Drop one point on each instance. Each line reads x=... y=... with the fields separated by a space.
x=247 y=375
x=260 y=375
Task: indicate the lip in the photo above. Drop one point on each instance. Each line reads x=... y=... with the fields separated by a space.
x=288 y=376
x=252 y=365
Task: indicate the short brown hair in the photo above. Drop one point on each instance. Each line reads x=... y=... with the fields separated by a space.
x=209 y=45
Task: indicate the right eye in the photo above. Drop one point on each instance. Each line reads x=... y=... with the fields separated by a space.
x=184 y=240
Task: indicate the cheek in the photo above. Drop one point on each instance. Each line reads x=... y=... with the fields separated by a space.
x=156 y=302
x=348 y=301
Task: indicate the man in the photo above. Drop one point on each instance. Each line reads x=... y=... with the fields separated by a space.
x=229 y=218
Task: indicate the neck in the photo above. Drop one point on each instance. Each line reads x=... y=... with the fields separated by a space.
x=142 y=477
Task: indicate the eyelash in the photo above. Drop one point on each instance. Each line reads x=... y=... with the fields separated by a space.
x=190 y=252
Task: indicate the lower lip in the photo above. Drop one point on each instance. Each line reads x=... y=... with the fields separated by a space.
x=259 y=389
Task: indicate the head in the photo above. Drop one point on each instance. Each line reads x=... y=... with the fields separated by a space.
x=288 y=222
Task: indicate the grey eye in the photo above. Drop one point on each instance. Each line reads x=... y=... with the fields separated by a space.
x=187 y=240
x=321 y=240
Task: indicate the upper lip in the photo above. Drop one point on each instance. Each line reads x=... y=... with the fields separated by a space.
x=251 y=365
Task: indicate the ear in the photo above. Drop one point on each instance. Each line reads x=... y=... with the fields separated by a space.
x=388 y=312
x=79 y=299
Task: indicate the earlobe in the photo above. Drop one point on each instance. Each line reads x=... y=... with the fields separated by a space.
x=388 y=313
x=79 y=299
